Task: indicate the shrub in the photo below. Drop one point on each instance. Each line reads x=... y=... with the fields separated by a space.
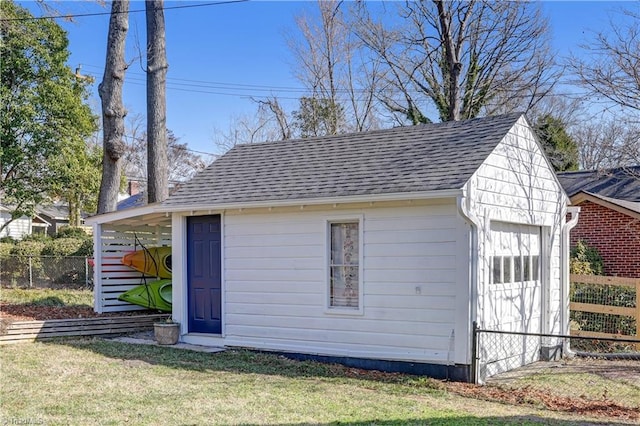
x=7 y=240
x=5 y=248
x=586 y=260
x=26 y=251
x=28 y=247
x=86 y=249
x=62 y=247
x=72 y=232
x=36 y=237
x=63 y=266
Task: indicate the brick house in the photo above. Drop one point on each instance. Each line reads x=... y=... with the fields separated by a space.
x=609 y=216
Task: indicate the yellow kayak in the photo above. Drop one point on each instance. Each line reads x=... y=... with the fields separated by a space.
x=155 y=261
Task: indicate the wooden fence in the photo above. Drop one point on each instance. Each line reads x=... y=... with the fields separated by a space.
x=609 y=309
x=22 y=331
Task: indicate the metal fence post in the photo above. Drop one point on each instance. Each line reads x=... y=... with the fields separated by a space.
x=86 y=272
x=30 y=272
x=474 y=353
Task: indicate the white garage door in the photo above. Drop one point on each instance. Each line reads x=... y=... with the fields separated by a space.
x=513 y=297
x=515 y=289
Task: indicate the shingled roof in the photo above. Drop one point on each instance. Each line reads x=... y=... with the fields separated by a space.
x=622 y=183
x=419 y=158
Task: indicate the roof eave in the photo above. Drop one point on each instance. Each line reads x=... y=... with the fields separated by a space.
x=607 y=202
x=366 y=198
x=123 y=214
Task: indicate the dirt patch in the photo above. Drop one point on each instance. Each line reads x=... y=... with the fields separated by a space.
x=536 y=397
x=15 y=312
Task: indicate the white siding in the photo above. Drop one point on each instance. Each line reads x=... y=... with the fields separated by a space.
x=275 y=276
x=517 y=185
x=17 y=228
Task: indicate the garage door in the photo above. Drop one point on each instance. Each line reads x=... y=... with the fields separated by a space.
x=513 y=297
x=515 y=289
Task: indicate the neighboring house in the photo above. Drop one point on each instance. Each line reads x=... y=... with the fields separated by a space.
x=622 y=183
x=56 y=214
x=609 y=202
x=135 y=200
x=21 y=226
x=378 y=249
x=48 y=219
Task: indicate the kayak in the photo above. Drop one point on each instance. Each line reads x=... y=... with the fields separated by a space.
x=155 y=261
x=153 y=295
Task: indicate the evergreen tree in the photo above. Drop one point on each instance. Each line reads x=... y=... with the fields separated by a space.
x=561 y=149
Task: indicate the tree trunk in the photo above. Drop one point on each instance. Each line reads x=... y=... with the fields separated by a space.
x=113 y=112
x=157 y=168
x=452 y=63
x=74 y=214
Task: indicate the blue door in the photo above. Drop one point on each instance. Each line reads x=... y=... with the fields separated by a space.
x=204 y=274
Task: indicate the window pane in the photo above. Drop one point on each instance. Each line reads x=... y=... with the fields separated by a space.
x=517 y=269
x=535 y=267
x=344 y=271
x=507 y=269
x=344 y=286
x=527 y=268
x=344 y=243
x=497 y=269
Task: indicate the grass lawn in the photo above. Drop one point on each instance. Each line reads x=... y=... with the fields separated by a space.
x=94 y=381
x=46 y=297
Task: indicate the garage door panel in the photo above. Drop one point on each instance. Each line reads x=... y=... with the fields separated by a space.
x=514 y=293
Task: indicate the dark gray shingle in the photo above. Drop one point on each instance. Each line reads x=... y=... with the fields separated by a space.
x=622 y=183
x=400 y=160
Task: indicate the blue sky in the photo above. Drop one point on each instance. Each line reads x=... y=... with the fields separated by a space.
x=221 y=55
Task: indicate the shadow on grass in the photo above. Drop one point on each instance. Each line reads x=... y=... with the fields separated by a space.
x=259 y=363
x=239 y=361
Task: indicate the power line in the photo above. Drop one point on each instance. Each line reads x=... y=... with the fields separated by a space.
x=239 y=86
x=199 y=86
x=83 y=15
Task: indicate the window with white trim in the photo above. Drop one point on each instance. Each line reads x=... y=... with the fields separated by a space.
x=344 y=265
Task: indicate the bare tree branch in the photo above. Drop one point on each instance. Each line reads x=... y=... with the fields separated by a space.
x=465 y=58
x=611 y=66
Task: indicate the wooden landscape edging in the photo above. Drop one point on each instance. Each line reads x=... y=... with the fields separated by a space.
x=22 y=331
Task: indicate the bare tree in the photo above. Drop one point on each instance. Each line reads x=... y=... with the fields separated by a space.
x=465 y=58
x=607 y=144
x=113 y=111
x=329 y=64
x=611 y=66
x=263 y=126
x=273 y=105
x=158 y=179
x=183 y=163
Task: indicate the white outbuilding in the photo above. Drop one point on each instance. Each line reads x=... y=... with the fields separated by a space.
x=377 y=249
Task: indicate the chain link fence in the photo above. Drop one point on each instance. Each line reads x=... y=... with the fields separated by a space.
x=46 y=272
x=580 y=371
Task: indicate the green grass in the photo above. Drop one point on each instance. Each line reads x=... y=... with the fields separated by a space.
x=93 y=381
x=46 y=297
